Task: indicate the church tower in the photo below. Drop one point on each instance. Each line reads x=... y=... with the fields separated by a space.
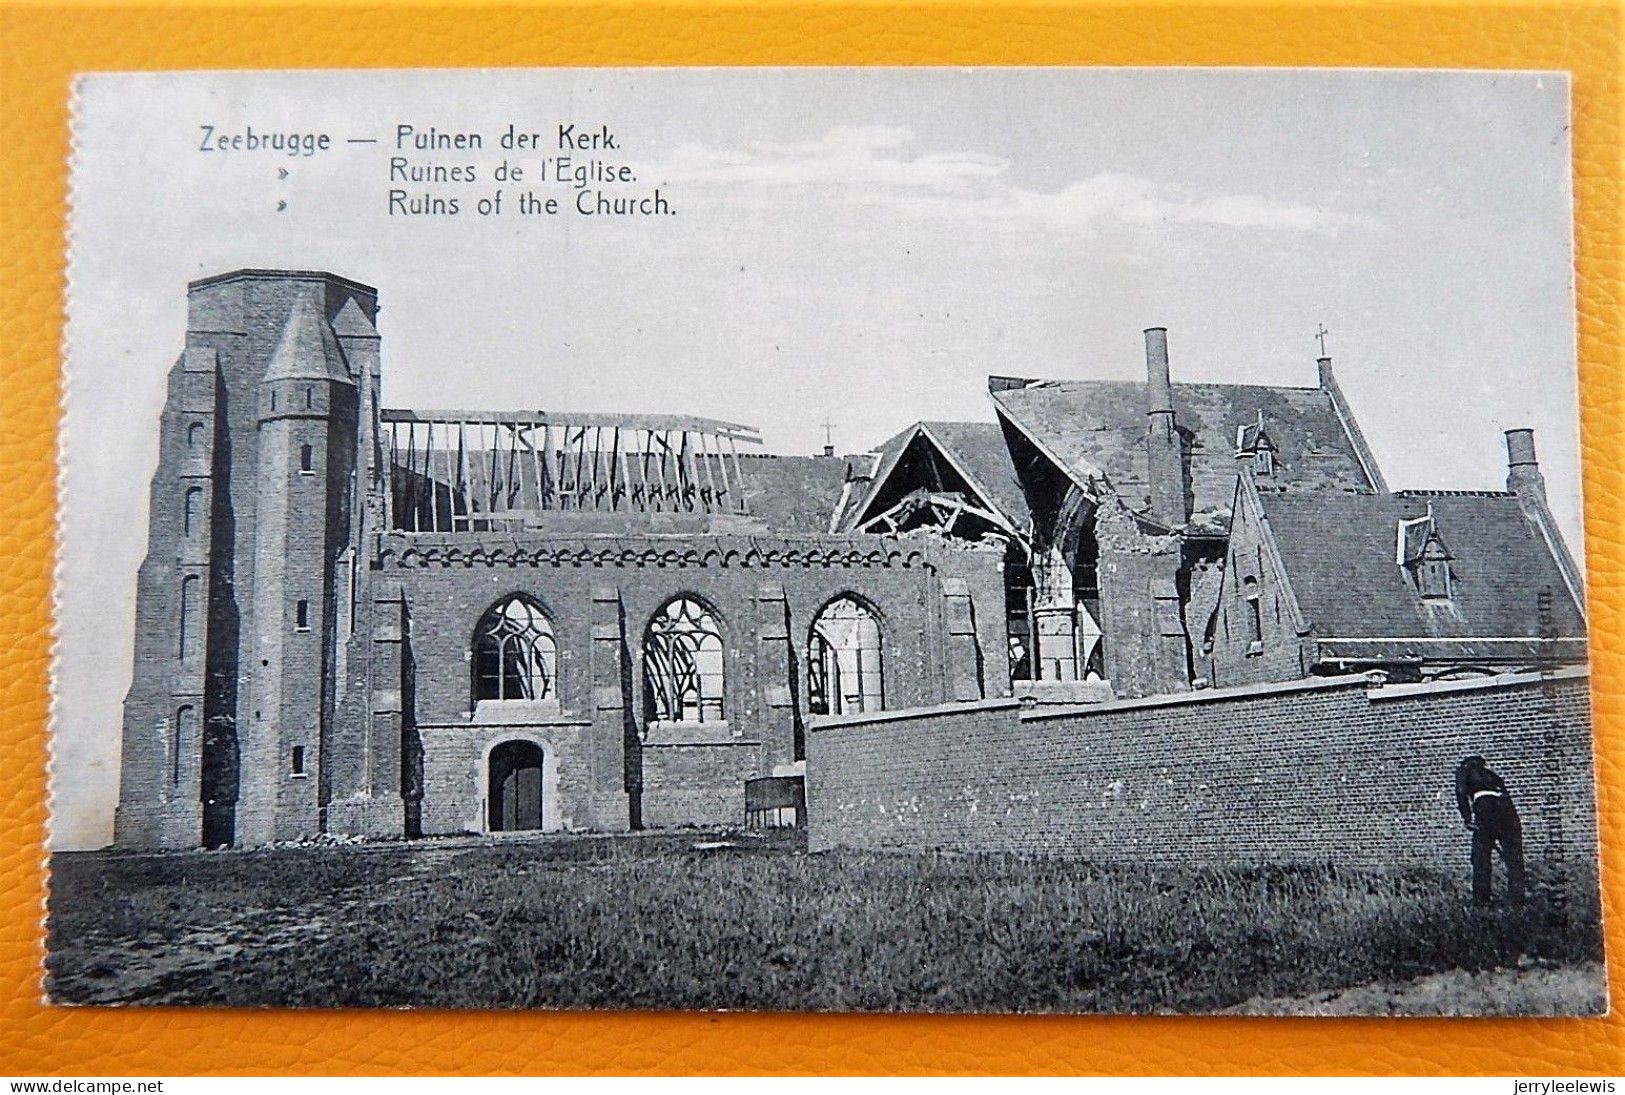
x=160 y=793
x=253 y=508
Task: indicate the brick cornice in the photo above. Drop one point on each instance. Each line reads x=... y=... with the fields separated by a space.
x=421 y=551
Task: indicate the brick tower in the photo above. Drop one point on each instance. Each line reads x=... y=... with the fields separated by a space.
x=239 y=630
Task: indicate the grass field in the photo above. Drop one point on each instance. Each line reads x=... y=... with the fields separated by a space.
x=694 y=921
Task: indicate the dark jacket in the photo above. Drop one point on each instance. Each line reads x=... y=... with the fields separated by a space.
x=1471 y=779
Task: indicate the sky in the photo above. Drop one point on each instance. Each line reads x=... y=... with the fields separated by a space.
x=862 y=246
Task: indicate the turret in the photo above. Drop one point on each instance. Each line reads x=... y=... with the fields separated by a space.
x=306 y=453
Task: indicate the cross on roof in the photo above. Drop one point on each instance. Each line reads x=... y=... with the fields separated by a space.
x=829 y=427
x=1320 y=335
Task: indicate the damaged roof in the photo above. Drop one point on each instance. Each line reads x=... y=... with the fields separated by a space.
x=1097 y=428
x=974 y=451
x=1339 y=554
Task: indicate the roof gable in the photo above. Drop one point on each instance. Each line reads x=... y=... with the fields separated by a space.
x=968 y=458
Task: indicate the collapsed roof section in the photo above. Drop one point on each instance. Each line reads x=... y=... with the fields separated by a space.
x=1094 y=431
x=939 y=474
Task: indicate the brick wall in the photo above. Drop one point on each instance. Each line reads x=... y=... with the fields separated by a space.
x=697 y=783
x=1319 y=770
x=615 y=768
x=1279 y=654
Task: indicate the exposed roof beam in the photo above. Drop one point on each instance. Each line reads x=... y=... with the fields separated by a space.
x=682 y=422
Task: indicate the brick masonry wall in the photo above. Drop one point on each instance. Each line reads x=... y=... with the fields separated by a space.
x=697 y=784
x=1326 y=770
x=455 y=789
x=687 y=775
x=1232 y=661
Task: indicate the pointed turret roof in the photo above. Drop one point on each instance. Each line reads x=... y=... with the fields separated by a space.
x=352 y=322
x=307 y=349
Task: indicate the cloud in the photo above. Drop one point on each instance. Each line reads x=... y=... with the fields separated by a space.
x=872 y=165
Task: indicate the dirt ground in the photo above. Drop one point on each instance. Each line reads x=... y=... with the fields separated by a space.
x=1526 y=991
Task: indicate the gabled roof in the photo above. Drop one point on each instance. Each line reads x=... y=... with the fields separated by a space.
x=1338 y=552
x=980 y=451
x=1095 y=429
x=972 y=451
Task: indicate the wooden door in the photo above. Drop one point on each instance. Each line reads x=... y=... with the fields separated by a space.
x=516 y=786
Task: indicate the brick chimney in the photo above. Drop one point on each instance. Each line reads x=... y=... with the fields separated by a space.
x=1523 y=470
x=1526 y=482
x=1164 y=464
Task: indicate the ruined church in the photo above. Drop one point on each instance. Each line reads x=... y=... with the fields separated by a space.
x=360 y=619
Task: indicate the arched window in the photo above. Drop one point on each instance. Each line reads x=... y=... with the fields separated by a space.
x=843 y=660
x=185 y=741
x=189 y=513
x=1254 y=617
x=682 y=663
x=188 y=624
x=514 y=652
x=194 y=435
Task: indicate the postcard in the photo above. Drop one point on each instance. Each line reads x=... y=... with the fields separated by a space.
x=962 y=540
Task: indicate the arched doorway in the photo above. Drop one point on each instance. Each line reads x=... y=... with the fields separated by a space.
x=516 y=787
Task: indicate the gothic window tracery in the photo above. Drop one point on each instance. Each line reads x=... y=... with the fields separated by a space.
x=683 y=663
x=515 y=653
x=844 y=660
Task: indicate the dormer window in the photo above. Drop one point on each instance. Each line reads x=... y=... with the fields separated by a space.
x=1422 y=553
x=1433 y=571
x=1253 y=444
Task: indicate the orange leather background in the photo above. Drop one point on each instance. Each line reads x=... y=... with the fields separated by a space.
x=43 y=45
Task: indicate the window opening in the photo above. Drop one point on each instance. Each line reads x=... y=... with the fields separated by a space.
x=683 y=663
x=184 y=733
x=843 y=660
x=189 y=511
x=1255 y=617
x=515 y=653
x=1433 y=572
x=188 y=637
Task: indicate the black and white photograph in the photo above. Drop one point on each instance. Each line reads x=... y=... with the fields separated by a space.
x=991 y=540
